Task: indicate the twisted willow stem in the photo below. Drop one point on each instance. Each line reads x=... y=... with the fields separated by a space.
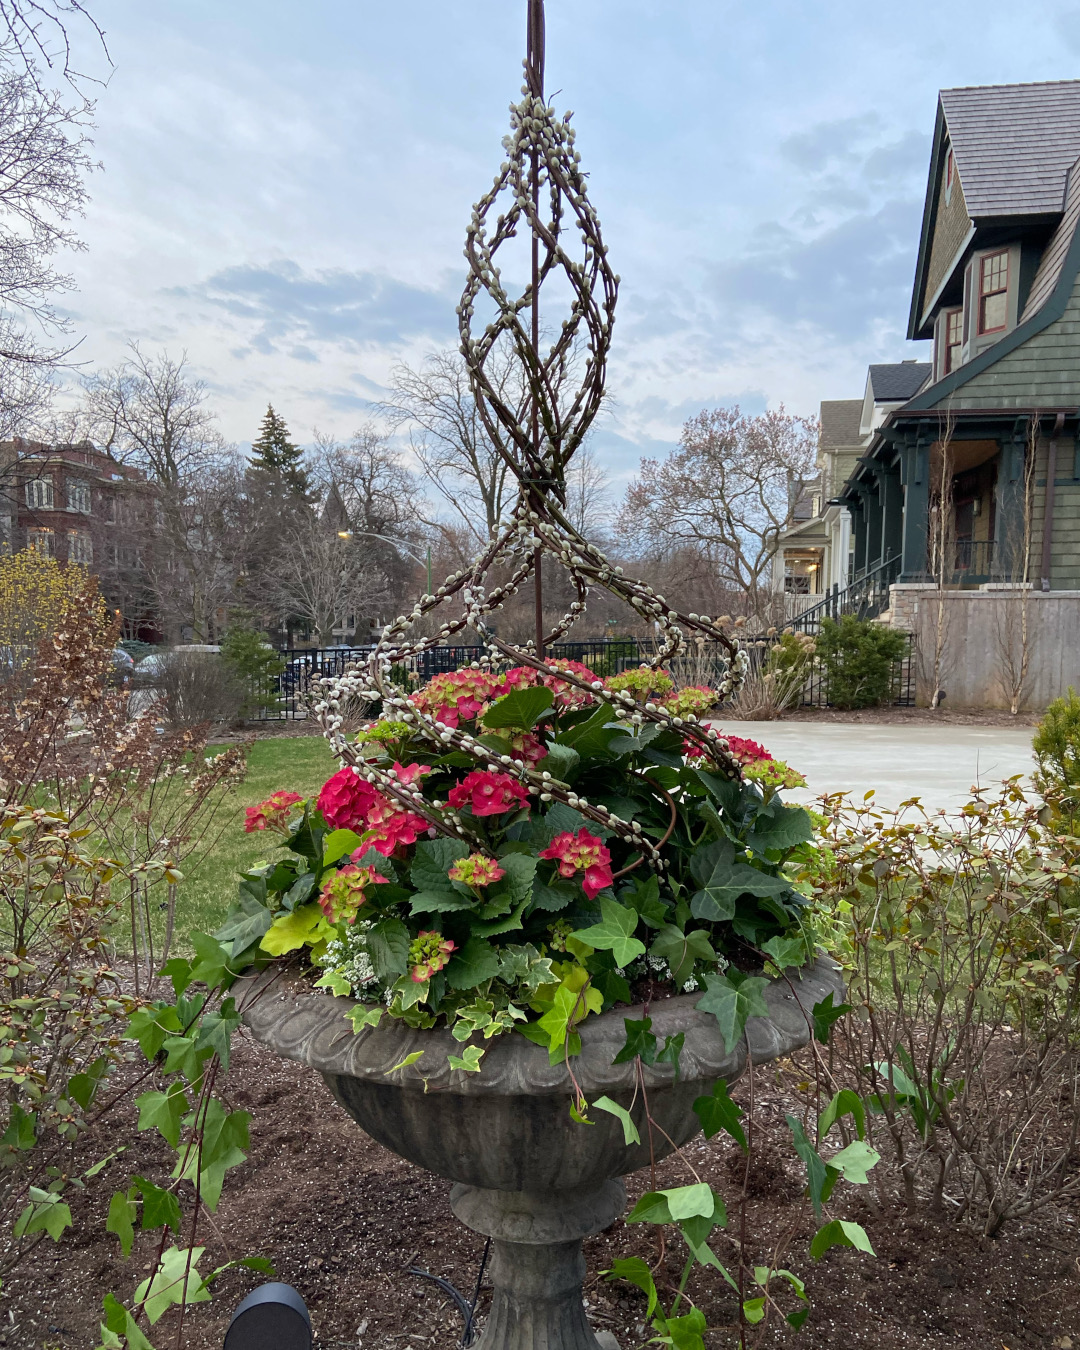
x=537 y=436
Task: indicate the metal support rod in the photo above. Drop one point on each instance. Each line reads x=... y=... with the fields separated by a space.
x=535 y=63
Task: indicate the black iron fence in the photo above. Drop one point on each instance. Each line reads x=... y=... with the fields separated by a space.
x=704 y=663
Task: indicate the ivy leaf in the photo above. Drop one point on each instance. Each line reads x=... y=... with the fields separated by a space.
x=614 y=932
x=300 y=892
x=718 y=1112
x=163 y=1111
x=150 y=1026
x=824 y=1014
x=855 y=1162
x=363 y=1016
x=469 y=1059
x=573 y=1001
x=816 y=1172
x=645 y=898
x=637 y=1272
x=46 y=1213
x=119 y=1322
x=337 y=983
x=640 y=1042
x=212 y=966
x=338 y=843
x=432 y=862
x=475 y=964
x=785 y=952
x=680 y=950
x=121 y=1218
x=387 y=944
x=245 y=923
x=630 y=1130
x=845 y=1103
x=613 y=987
x=520 y=709
x=160 y=1207
x=839 y=1234
x=733 y=999
x=684 y=1202
x=673 y=1048
x=685 y=1332
x=779 y=826
x=404 y=1063
x=293 y=931
x=176 y=1280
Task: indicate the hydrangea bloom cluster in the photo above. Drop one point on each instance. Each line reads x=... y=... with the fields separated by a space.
x=428 y=953
x=567 y=695
x=347 y=802
x=581 y=852
x=476 y=870
x=487 y=793
x=693 y=698
x=458 y=696
x=746 y=751
x=345 y=890
x=643 y=682
x=272 y=814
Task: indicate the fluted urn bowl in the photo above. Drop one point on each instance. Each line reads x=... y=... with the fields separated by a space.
x=526 y=1174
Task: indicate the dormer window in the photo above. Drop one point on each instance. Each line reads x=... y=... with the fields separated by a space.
x=993 y=292
x=954 y=339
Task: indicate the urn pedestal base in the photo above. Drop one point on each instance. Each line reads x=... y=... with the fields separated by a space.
x=537 y=1267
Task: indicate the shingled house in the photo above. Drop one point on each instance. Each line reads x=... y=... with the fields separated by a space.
x=976 y=479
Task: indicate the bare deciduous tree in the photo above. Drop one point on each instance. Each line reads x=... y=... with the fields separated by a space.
x=727 y=491
x=454 y=450
x=1013 y=635
x=587 y=501
x=322 y=579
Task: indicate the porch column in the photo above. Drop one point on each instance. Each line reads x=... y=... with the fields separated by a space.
x=892 y=513
x=858 y=525
x=1009 y=523
x=915 y=482
x=874 y=517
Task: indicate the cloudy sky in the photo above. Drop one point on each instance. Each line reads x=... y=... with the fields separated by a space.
x=286 y=185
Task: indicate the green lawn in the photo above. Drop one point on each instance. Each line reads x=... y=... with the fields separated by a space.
x=300 y=764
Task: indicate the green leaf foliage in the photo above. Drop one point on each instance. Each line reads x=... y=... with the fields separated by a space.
x=839 y=1234
x=614 y=932
x=630 y=1130
x=520 y=709
x=432 y=862
x=176 y=1280
x=680 y=950
x=824 y=1014
x=718 y=1112
x=475 y=964
x=388 y=947
x=733 y=999
x=816 y=1172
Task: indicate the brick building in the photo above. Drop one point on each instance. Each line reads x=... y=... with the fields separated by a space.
x=78 y=504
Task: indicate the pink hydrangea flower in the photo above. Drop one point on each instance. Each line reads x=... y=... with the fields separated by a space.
x=476 y=870
x=389 y=827
x=345 y=800
x=428 y=953
x=410 y=773
x=746 y=751
x=272 y=814
x=458 y=696
x=489 y=794
x=582 y=852
x=345 y=890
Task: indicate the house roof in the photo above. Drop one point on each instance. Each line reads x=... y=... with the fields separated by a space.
x=898 y=382
x=1013 y=145
x=840 y=419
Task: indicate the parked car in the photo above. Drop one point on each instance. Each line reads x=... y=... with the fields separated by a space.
x=123 y=667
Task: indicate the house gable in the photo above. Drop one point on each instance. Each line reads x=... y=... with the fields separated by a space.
x=952 y=233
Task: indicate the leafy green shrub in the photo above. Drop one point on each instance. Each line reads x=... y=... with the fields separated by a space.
x=960 y=939
x=254 y=663
x=1057 y=750
x=858 y=657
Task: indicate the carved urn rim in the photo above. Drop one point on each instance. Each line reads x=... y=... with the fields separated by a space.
x=313 y=1028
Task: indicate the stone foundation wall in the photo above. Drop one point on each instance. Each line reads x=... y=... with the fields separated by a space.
x=983 y=641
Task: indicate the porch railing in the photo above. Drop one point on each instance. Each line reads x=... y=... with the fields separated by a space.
x=866 y=597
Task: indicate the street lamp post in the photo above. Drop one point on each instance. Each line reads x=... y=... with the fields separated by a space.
x=395 y=543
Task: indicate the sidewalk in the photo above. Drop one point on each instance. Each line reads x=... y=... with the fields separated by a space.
x=937 y=763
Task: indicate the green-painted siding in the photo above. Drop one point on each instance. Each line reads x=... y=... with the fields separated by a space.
x=1044 y=372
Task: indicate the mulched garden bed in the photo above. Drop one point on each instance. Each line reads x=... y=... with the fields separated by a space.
x=341 y=1218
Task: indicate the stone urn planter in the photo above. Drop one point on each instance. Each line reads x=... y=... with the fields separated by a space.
x=524 y=1173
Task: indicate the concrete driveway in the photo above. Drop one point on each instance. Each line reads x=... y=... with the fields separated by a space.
x=937 y=763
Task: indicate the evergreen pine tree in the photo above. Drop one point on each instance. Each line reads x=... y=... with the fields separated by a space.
x=275 y=455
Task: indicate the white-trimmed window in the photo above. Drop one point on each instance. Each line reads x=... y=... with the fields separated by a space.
x=39 y=493
x=953 y=332
x=994 y=292
x=78 y=495
x=80 y=547
x=42 y=540
x=950 y=174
